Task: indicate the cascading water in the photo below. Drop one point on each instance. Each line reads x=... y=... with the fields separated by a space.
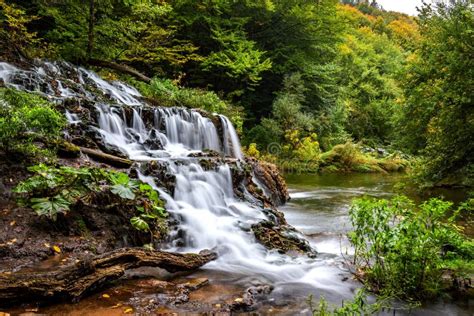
x=210 y=214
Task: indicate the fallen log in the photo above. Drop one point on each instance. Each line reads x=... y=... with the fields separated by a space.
x=121 y=68
x=74 y=281
x=106 y=158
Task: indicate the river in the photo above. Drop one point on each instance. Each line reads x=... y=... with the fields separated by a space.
x=319 y=208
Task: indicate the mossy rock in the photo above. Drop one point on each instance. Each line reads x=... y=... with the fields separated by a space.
x=283 y=238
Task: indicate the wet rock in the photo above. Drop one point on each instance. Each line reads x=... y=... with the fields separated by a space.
x=248 y=302
x=157 y=285
x=274 y=185
x=195 y=284
x=283 y=238
x=205 y=153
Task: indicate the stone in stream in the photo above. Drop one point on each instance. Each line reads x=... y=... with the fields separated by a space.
x=248 y=302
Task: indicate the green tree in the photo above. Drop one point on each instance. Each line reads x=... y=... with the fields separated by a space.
x=437 y=119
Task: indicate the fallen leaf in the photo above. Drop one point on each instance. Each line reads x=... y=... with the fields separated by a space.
x=56 y=249
x=47 y=245
x=12 y=241
x=239 y=300
x=105 y=295
x=128 y=310
x=12 y=223
x=116 y=305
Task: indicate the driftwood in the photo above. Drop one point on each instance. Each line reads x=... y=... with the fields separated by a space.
x=74 y=281
x=106 y=158
x=121 y=68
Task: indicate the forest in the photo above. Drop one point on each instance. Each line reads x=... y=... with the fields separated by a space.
x=349 y=73
x=319 y=88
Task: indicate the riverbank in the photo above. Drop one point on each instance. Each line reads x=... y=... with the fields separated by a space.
x=319 y=208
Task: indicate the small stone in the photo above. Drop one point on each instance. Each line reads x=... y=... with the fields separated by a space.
x=195 y=284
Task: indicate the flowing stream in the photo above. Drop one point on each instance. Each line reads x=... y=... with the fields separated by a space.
x=211 y=216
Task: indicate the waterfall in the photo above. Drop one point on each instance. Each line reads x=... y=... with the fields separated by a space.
x=231 y=140
x=211 y=216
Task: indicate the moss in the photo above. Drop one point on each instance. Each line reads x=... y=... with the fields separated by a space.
x=68 y=150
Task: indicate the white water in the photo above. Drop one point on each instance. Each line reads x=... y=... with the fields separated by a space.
x=211 y=216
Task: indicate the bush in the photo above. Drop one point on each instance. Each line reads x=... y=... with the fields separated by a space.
x=52 y=191
x=357 y=306
x=26 y=119
x=349 y=158
x=403 y=251
x=169 y=93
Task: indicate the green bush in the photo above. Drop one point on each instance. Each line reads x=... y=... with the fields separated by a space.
x=26 y=119
x=403 y=251
x=357 y=306
x=166 y=91
x=52 y=191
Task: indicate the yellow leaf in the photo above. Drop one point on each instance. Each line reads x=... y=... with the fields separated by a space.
x=105 y=295
x=12 y=223
x=56 y=249
x=128 y=310
x=12 y=241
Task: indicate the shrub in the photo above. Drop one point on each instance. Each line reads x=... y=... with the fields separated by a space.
x=402 y=250
x=26 y=119
x=168 y=93
x=357 y=306
x=252 y=151
x=52 y=191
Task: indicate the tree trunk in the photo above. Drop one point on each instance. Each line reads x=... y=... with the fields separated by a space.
x=106 y=158
x=74 y=281
x=121 y=68
x=90 y=34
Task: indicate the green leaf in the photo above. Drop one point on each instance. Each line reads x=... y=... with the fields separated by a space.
x=159 y=211
x=50 y=207
x=123 y=191
x=139 y=223
x=119 y=178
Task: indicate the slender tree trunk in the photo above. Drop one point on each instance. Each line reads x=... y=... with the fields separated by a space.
x=90 y=37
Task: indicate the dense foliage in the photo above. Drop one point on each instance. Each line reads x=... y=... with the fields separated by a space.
x=437 y=119
x=29 y=125
x=52 y=191
x=304 y=75
x=404 y=251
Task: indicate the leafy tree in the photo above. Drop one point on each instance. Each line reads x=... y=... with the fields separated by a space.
x=437 y=118
x=15 y=37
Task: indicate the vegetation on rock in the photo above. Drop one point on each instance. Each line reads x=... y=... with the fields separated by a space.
x=55 y=190
x=30 y=126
